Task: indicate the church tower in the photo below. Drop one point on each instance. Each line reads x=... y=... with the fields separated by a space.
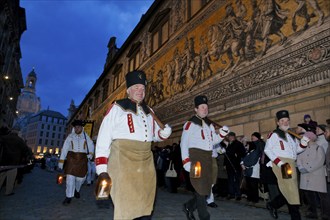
x=28 y=102
x=72 y=109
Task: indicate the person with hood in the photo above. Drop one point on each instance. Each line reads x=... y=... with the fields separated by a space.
x=308 y=121
x=77 y=149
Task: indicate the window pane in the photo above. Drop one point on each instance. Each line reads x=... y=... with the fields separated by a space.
x=155 y=39
x=195 y=6
x=137 y=60
x=164 y=32
x=131 y=65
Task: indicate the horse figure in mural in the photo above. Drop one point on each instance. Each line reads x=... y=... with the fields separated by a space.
x=224 y=42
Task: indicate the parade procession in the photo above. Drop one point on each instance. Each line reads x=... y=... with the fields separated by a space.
x=207 y=110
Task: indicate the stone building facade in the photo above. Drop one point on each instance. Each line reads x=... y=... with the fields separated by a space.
x=251 y=58
x=12 y=26
x=45 y=132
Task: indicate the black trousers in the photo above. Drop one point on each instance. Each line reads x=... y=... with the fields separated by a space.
x=252 y=189
x=280 y=200
x=198 y=202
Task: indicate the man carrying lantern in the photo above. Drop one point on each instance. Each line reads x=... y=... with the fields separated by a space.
x=197 y=141
x=282 y=149
x=77 y=149
x=123 y=151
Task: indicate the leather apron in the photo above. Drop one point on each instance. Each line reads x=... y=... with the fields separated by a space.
x=203 y=184
x=131 y=168
x=76 y=164
x=288 y=187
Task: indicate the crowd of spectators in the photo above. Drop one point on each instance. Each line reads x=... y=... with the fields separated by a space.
x=242 y=170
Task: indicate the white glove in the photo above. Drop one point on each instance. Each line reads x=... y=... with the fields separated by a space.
x=224 y=131
x=304 y=141
x=166 y=132
x=221 y=150
x=280 y=164
x=60 y=166
x=186 y=166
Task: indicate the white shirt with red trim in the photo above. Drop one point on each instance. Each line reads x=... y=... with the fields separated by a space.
x=196 y=136
x=78 y=144
x=277 y=147
x=121 y=124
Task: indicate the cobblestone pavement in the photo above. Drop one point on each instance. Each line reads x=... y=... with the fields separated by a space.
x=39 y=197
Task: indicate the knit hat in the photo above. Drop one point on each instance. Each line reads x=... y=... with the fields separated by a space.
x=135 y=77
x=307 y=116
x=282 y=114
x=310 y=135
x=201 y=99
x=257 y=135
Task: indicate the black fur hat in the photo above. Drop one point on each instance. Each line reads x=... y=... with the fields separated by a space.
x=282 y=114
x=136 y=77
x=78 y=123
x=201 y=99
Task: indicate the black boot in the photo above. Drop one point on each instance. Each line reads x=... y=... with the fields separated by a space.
x=272 y=211
x=76 y=194
x=189 y=214
x=66 y=201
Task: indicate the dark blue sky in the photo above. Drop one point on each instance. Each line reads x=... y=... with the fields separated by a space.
x=66 y=42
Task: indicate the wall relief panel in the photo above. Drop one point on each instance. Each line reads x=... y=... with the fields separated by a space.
x=238 y=51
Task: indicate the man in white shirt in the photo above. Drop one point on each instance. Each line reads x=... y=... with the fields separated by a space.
x=197 y=141
x=123 y=150
x=77 y=149
x=282 y=149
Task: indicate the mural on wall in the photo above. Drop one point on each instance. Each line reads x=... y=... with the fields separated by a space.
x=236 y=35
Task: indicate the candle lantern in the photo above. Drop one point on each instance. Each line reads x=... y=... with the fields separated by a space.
x=103 y=188
x=197 y=170
x=286 y=171
x=60 y=178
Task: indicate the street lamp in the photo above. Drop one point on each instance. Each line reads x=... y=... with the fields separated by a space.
x=11 y=98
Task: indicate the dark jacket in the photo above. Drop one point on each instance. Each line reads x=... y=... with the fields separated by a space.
x=235 y=152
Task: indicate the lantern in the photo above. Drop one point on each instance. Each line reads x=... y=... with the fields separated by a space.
x=103 y=189
x=197 y=170
x=286 y=171
x=60 y=178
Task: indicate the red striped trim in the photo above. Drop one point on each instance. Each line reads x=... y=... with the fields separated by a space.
x=221 y=135
x=160 y=135
x=202 y=133
x=101 y=160
x=187 y=125
x=130 y=123
x=302 y=146
x=269 y=135
x=109 y=109
x=282 y=145
x=185 y=161
x=277 y=160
